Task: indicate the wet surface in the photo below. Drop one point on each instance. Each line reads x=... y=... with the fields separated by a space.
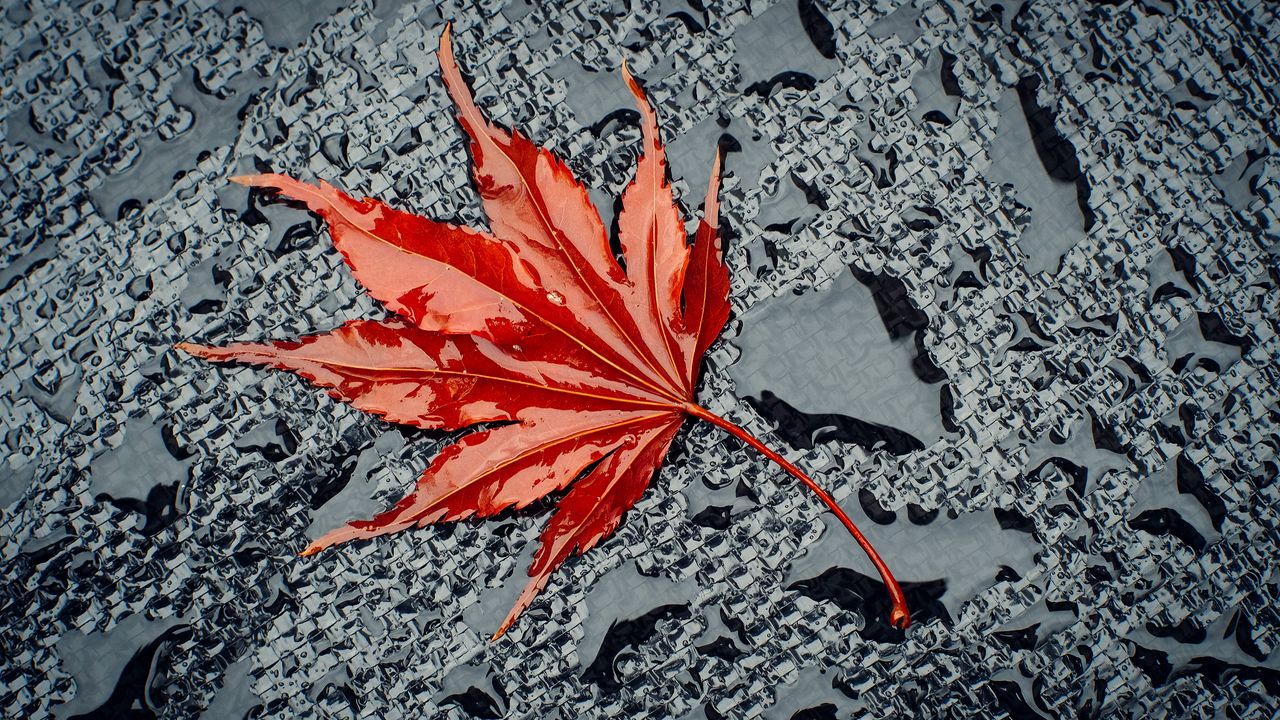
x=1003 y=280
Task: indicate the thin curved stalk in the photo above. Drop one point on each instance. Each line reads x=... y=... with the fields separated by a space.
x=899 y=617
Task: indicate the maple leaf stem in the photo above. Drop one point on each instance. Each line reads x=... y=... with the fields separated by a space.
x=899 y=616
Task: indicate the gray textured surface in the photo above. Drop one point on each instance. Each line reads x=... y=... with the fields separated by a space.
x=1074 y=208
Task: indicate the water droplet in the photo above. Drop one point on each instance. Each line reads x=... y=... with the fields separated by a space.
x=556 y=298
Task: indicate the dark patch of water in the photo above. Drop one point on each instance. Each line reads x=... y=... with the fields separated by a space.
x=1024 y=639
x=623 y=634
x=1014 y=520
x=1167 y=521
x=818 y=28
x=793 y=79
x=874 y=510
x=116 y=672
x=803 y=430
x=1213 y=329
x=825 y=711
x=716 y=517
x=475 y=689
x=1188 y=631
x=1057 y=154
x=1008 y=696
x=1241 y=628
x=853 y=591
x=1191 y=482
x=475 y=703
x=343 y=488
x=625 y=609
x=722 y=647
x=1156 y=665
x=145 y=475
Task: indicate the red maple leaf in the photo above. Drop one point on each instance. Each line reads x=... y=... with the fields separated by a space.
x=533 y=324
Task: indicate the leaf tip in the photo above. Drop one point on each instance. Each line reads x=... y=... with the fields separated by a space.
x=191 y=349
x=257 y=180
x=508 y=622
x=311 y=549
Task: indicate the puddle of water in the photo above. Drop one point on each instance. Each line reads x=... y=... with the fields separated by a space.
x=354 y=498
x=1186 y=346
x=14 y=482
x=811 y=697
x=745 y=155
x=624 y=611
x=785 y=208
x=473 y=689
x=23 y=126
x=594 y=94
x=1208 y=511
x=492 y=604
x=965 y=553
x=1163 y=280
x=903 y=22
x=1237 y=181
x=775 y=50
x=101 y=664
x=55 y=392
x=236 y=698
x=387 y=11
x=829 y=352
x=211 y=120
x=144 y=475
x=274 y=440
x=1056 y=223
x=32 y=251
x=285 y=23
x=937 y=99
x=1076 y=456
